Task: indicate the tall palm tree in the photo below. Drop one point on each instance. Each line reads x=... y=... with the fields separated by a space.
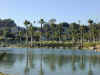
x=31 y=30
x=92 y=36
x=60 y=31
x=20 y=35
x=74 y=28
x=26 y=23
x=72 y=33
x=27 y=69
x=82 y=33
x=46 y=28
x=41 y=22
x=98 y=31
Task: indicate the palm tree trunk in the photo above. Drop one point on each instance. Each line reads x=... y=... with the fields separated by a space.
x=20 y=39
x=90 y=36
x=99 y=37
x=60 y=36
x=81 y=38
x=73 y=38
x=31 y=40
x=41 y=33
x=27 y=39
x=94 y=37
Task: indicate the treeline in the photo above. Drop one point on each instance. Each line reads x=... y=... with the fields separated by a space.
x=65 y=31
x=51 y=31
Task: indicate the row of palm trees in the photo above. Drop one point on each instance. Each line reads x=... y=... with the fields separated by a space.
x=75 y=32
x=30 y=30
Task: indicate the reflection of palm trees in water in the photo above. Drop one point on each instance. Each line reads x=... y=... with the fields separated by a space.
x=27 y=69
x=90 y=72
x=82 y=62
x=29 y=63
x=73 y=63
x=41 y=67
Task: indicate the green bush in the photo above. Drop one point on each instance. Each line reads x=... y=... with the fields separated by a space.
x=89 y=44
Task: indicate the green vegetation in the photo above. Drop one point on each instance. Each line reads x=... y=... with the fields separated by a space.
x=2 y=73
x=53 y=44
x=49 y=34
x=88 y=44
x=91 y=44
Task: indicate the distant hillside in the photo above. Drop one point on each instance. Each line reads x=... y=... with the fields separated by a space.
x=7 y=23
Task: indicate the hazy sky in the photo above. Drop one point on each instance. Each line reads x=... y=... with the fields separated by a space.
x=62 y=10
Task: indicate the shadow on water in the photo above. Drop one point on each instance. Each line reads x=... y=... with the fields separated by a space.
x=7 y=59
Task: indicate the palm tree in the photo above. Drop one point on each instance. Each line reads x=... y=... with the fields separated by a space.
x=98 y=31
x=26 y=23
x=72 y=33
x=92 y=36
x=82 y=37
x=20 y=35
x=41 y=22
x=31 y=30
x=60 y=31
x=46 y=28
x=56 y=35
x=74 y=28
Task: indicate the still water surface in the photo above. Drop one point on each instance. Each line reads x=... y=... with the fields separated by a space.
x=49 y=62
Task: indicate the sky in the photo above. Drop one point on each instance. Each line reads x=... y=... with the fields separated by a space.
x=62 y=10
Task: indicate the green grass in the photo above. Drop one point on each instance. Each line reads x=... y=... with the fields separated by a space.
x=91 y=44
x=88 y=44
x=54 y=43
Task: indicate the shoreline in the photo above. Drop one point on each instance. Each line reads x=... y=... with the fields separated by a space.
x=55 y=44
x=84 y=48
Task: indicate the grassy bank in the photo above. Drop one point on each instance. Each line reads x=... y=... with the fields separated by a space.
x=92 y=45
x=39 y=44
x=89 y=44
x=52 y=44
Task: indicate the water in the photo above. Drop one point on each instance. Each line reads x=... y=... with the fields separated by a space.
x=19 y=61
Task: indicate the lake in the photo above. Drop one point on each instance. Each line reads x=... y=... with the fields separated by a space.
x=44 y=61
